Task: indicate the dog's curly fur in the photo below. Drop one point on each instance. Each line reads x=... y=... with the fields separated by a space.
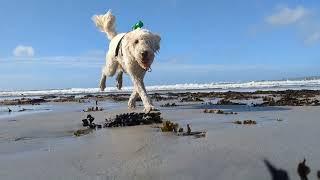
x=138 y=49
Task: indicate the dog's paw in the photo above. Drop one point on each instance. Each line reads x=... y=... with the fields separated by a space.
x=149 y=109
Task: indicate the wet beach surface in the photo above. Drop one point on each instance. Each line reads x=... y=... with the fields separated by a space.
x=42 y=145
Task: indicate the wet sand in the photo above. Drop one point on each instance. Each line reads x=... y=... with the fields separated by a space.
x=42 y=145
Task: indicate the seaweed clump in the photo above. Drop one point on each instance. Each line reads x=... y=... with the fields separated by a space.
x=134 y=119
x=245 y=122
x=82 y=132
x=228 y=102
x=217 y=111
x=169 y=126
x=121 y=120
x=169 y=105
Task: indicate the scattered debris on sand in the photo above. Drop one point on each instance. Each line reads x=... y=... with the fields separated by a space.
x=245 y=122
x=169 y=126
x=169 y=105
x=269 y=98
x=22 y=138
x=290 y=101
x=118 y=97
x=23 y=109
x=199 y=134
x=217 y=111
x=228 y=102
x=65 y=99
x=291 y=98
x=237 y=122
x=88 y=122
x=303 y=170
x=82 y=132
x=93 y=109
x=196 y=134
x=159 y=97
x=191 y=99
x=48 y=97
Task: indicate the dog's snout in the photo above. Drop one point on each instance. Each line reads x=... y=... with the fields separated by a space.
x=144 y=54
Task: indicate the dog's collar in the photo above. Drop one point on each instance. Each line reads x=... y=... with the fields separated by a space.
x=118 y=48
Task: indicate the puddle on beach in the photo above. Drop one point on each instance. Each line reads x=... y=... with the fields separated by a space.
x=22 y=110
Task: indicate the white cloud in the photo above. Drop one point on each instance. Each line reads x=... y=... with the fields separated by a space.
x=286 y=15
x=305 y=22
x=23 y=51
x=92 y=58
x=313 y=38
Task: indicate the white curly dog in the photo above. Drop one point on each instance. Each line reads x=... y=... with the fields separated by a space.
x=133 y=53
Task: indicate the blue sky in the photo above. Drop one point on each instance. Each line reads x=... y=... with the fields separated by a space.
x=54 y=44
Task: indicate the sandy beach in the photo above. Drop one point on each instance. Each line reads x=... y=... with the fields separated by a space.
x=42 y=145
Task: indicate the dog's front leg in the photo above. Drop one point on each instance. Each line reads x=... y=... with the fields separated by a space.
x=140 y=88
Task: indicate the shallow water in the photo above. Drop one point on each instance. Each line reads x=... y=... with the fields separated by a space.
x=20 y=110
x=23 y=110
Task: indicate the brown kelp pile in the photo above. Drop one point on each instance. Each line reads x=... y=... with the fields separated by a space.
x=121 y=120
x=134 y=119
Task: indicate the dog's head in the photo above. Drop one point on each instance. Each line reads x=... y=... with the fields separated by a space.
x=142 y=45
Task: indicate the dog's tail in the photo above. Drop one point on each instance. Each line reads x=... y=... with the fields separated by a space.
x=106 y=23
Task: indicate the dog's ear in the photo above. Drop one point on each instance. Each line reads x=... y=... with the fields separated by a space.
x=157 y=40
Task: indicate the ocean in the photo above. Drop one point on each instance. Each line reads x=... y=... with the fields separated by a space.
x=217 y=86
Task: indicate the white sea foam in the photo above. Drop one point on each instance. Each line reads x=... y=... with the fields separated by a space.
x=244 y=86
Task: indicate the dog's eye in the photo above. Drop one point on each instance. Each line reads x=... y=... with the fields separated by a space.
x=136 y=41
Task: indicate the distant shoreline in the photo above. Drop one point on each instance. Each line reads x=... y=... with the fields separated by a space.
x=218 y=87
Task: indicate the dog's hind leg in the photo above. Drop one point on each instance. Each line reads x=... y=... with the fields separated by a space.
x=103 y=82
x=119 y=79
x=108 y=71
